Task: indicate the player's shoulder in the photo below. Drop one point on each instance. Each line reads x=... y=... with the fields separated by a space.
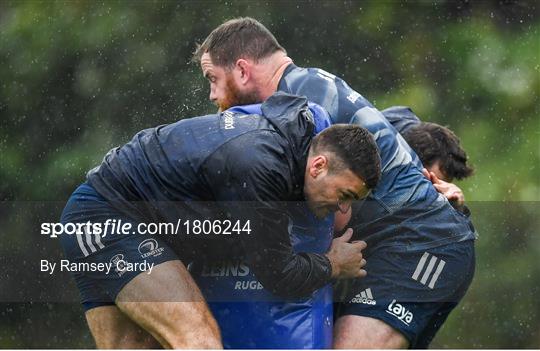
x=312 y=73
x=337 y=85
x=400 y=113
x=251 y=149
x=317 y=84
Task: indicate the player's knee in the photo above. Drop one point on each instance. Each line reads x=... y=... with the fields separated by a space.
x=194 y=327
x=388 y=340
x=170 y=306
x=202 y=334
x=125 y=341
x=356 y=332
x=112 y=329
x=204 y=342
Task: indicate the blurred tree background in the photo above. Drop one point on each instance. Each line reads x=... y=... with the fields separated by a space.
x=80 y=77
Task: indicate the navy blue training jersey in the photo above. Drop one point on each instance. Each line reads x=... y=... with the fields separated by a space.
x=402 y=118
x=404 y=210
x=227 y=157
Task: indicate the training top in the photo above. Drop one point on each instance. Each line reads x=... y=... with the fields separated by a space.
x=402 y=118
x=404 y=210
x=230 y=158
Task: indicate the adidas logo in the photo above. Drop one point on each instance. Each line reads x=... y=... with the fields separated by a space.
x=432 y=270
x=364 y=297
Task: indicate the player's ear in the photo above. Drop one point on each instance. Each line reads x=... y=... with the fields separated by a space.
x=318 y=165
x=243 y=68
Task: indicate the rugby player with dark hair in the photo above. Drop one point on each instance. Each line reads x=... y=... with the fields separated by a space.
x=247 y=165
x=439 y=150
x=421 y=249
x=437 y=146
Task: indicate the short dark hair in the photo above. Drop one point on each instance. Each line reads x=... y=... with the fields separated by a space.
x=355 y=149
x=434 y=143
x=237 y=38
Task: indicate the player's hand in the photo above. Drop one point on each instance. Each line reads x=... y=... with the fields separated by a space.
x=346 y=258
x=451 y=191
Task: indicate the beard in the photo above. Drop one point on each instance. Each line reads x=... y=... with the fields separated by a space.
x=236 y=98
x=319 y=208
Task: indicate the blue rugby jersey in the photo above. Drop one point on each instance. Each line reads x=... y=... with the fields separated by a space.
x=402 y=118
x=404 y=210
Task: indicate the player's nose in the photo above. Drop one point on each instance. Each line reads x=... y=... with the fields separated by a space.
x=343 y=206
x=213 y=95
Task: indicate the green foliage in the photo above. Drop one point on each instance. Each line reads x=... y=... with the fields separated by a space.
x=80 y=77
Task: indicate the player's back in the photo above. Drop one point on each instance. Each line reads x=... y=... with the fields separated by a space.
x=403 y=196
x=197 y=159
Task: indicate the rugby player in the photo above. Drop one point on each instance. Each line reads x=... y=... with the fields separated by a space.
x=250 y=316
x=229 y=158
x=439 y=150
x=422 y=249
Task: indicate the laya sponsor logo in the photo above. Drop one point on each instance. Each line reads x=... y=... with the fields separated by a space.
x=150 y=247
x=365 y=297
x=397 y=310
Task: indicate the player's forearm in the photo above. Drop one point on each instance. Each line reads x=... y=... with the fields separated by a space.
x=297 y=277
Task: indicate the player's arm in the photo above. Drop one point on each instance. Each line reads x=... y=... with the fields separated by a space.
x=401 y=118
x=261 y=182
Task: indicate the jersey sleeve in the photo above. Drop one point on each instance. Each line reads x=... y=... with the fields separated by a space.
x=258 y=188
x=401 y=117
x=347 y=106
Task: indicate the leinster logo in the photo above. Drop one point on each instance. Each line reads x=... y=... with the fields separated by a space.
x=119 y=264
x=150 y=247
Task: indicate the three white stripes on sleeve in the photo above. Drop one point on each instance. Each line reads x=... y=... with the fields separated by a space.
x=88 y=238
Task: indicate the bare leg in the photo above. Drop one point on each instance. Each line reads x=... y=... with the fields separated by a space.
x=112 y=329
x=356 y=332
x=169 y=305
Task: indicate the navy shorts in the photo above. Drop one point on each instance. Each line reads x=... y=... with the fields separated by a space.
x=413 y=291
x=110 y=261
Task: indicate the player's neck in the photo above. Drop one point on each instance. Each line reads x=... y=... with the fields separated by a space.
x=270 y=73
